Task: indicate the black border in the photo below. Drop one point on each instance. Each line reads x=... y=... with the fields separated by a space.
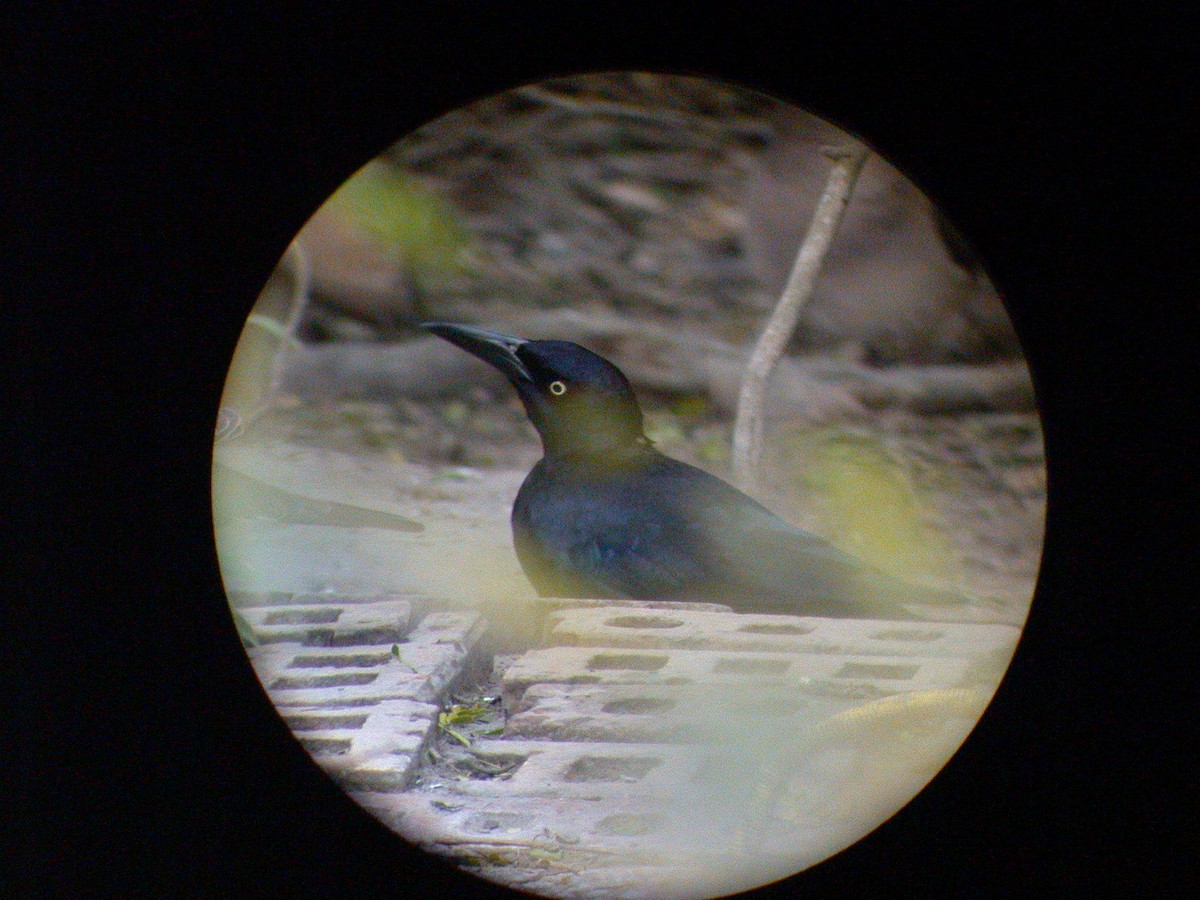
x=158 y=163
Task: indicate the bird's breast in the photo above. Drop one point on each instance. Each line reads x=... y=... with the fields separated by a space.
x=571 y=525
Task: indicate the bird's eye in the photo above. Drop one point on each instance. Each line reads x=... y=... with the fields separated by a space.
x=557 y=388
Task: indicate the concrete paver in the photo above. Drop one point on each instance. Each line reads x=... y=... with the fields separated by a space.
x=374 y=748
x=709 y=630
x=864 y=677
x=666 y=751
x=425 y=665
x=338 y=624
x=659 y=713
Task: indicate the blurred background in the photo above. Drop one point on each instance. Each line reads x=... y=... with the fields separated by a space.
x=654 y=219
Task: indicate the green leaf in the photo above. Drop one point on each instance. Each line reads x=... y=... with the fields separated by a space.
x=466 y=742
x=458 y=714
x=400 y=659
x=413 y=221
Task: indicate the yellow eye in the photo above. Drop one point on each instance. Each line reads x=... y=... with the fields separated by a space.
x=557 y=388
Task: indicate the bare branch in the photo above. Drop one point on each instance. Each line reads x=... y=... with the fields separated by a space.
x=748 y=427
x=230 y=421
x=301 y=292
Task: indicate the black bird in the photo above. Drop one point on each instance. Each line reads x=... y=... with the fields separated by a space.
x=605 y=515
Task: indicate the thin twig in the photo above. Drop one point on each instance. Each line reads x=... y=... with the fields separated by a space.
x=301 y=285
x=231 y=423
x=748 y=426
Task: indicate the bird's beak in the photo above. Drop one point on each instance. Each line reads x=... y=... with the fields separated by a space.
x=499 y=350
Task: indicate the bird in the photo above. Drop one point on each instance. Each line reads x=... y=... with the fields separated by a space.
x=604 y=515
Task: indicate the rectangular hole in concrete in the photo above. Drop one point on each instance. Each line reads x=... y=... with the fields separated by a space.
x=638 y=706
x=348 y=679
x=752 y=666
x=610 y=768
x=326 y=746
x=303 y=617
x=638 y=662
x=328 y=638
x=357 y=702
x=909 y=634
x=781 y=628
x=488 y=822
x=643 y=622
x=877 y=670
x=321 y=723
x=495 y=765
x=357 y=660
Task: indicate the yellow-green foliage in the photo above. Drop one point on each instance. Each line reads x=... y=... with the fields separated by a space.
x=870 y=505
x=403 y=215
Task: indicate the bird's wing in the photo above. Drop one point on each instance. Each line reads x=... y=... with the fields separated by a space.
x=742 y=546
x=633 y=560
x=672 y=531
x=668 y=530
x=619 y=550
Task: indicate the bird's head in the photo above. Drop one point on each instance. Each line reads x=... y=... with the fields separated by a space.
x=578 y=401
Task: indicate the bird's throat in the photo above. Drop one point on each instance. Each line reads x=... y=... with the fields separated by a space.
x=597 y=449
x=586 y=427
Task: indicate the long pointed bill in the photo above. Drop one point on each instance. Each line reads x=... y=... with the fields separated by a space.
x=499 y=350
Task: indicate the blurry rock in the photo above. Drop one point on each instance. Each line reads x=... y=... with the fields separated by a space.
x=382 y=238
x=352 y=269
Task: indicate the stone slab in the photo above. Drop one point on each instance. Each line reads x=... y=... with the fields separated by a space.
x=661 y=713
x=622 y=841
x=710 y=630
x=549 y=606
x=243 y=599
x=425 y=667
x=580 y=828
x=613 y=882
x=626 y=828
x=333 y=623
x=374 y=748
x=583 y=769
x=861 y=677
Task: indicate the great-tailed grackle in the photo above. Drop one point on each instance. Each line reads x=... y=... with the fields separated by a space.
x=605 y=515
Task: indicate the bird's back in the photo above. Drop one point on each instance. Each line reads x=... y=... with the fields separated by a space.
x=649 y=527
